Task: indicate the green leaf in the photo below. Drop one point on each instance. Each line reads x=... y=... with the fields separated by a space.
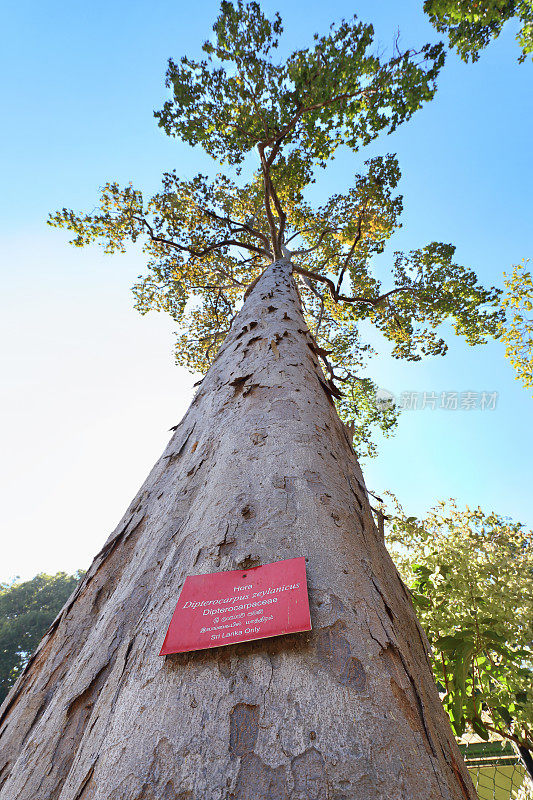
x=504 y=714
x=457 y=642
x=497 y=637
x=480 y=729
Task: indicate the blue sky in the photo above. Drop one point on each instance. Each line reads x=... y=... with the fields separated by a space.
x=90 y=388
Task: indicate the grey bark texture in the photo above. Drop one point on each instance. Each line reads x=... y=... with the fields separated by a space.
x=259 y=469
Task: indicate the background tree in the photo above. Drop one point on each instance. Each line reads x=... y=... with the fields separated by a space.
x=208 y=240
x=471 y=25
x=517 y=330
x=26 y=610
x=471 y=579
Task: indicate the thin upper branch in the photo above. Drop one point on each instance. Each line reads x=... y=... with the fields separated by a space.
x=239 y=226
x=200 y=253
x=268 y=208
x=373 y=301
x=316 y=277
x=315 y=246
x=352 y=248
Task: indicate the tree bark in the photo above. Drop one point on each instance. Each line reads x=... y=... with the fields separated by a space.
x=260 y=469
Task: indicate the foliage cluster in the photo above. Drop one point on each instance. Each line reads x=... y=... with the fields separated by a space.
x=26 y=611
x=517 y=330
x=471 y=25
x=471 y=579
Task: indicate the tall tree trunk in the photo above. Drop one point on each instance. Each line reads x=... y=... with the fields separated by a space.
x=260 y=469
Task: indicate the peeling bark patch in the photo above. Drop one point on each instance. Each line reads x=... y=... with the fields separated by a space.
x=257 y=781
x=464 y=788
x=333 y=649
x=195 y=469
x=392 y=661
x=248 y=562
x=334 y=655
x=4 y=773
x=310 y=778
x=77 y=718
x=355 y=494
x=224 y=665
x=239 y=386
x=327 y=390
x=226 y=547
x=247 y=512
x=353 y=676
x=336 y=605
x=313 y=479
x=330 y=389
x=286 y=482
x=408 y=701
x=249 y=389
x=407 y=707
x=381 y=594
x=389 y=611
x=88 y=787
x=42 y=708
x=178 y=453
x=159 y=785
x=239 y=383
x=245 y=329
x=244 y=728
x=394 y=656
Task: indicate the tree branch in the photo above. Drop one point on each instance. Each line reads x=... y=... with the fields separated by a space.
x=373 y=301
x=316 y=277
x=317 y=245
x=312 y=288
x=239 y=226
x=268 y=207
x=516 y=739
x=352 y=248
x=200 y=253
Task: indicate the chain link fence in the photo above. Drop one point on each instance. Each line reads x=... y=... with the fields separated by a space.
x=496 y=770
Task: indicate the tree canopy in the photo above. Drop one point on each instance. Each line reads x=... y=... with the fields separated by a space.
x=208 y=239
x=471 y=579
x=471 y=25
x=26 y=611
x=517 y=330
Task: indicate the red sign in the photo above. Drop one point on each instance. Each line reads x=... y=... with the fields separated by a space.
x=227 y=607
